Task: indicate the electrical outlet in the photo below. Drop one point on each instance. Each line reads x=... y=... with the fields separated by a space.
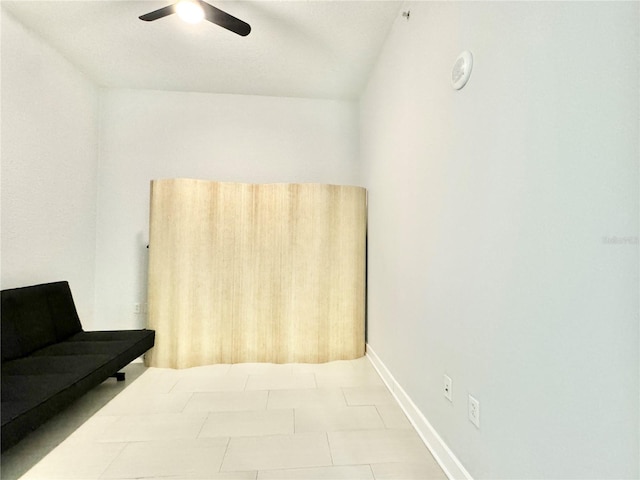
x=474 y=411
x=448 y=384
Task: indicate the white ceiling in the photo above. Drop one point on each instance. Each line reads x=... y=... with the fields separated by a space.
x=312 y=48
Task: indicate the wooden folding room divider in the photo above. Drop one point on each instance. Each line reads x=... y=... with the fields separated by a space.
x=255 y=273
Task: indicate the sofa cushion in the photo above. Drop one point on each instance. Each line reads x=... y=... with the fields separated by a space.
x=117 y=343
x=26 y=323
x=28 y=315
x=39 y=366
x=20 y=393
x=70 y=365
x=63 y=310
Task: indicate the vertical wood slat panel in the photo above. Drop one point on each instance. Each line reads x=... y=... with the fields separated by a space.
x=256 y=273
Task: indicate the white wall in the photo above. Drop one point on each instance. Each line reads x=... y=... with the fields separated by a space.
x=488 y=210
x=147 y=135
x=49 y=164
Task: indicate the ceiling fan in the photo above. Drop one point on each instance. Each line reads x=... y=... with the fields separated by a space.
x=193 y=11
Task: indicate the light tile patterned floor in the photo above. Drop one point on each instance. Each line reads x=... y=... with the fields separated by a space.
x=246 y=421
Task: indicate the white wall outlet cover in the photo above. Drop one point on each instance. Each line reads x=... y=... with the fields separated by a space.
x=462 y=70
x=474 y=411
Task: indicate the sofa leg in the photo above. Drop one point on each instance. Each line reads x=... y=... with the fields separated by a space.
x=118 y=376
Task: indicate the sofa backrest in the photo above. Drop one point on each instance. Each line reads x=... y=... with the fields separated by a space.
x=36 y=316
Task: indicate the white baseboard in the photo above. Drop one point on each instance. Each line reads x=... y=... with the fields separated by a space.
x=440 y=451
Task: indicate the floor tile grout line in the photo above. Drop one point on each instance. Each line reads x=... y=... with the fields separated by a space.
x=294 y=420
x=125 y=445
x=226 y=449
x=204 y=422
x=344 y=397
x=381 y=417
x=187 y=402
x=329 y=446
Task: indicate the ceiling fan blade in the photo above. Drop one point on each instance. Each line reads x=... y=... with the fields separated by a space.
x=217 y=16
x=156 y=14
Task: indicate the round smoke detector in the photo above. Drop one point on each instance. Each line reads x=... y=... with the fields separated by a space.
x=462 y=70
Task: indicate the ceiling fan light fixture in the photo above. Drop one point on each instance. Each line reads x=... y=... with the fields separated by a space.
x=193 y=11
x=190 y=11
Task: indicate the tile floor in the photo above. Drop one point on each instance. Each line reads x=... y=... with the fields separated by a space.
x=243 y=421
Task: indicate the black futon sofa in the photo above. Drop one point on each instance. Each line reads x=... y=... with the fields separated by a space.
x=48 y=360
